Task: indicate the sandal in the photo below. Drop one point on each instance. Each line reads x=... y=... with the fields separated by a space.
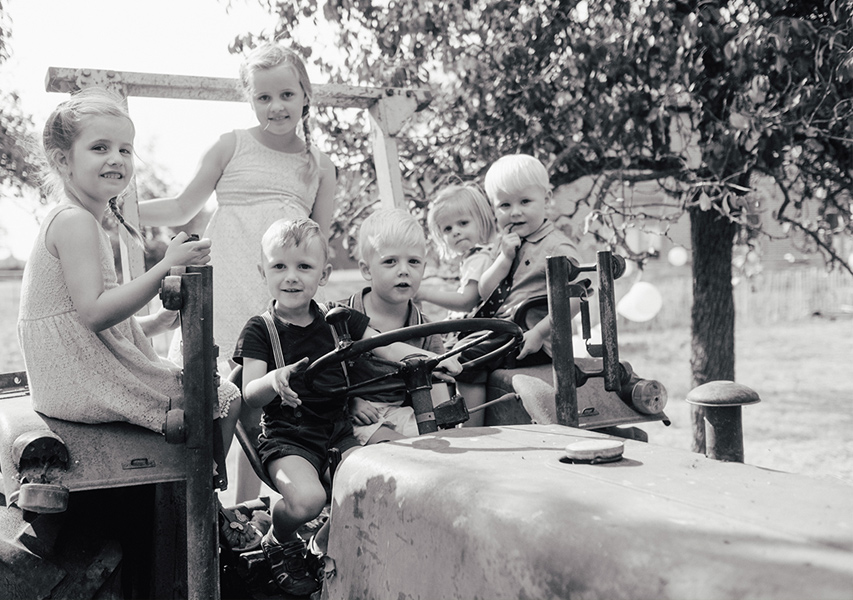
x=288 y=565
x=236 y=531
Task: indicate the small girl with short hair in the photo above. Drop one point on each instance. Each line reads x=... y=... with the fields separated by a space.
x=462 y=225
x=86 y=353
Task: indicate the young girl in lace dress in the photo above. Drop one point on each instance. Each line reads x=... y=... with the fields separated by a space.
x=260 y=175
x=87 y=355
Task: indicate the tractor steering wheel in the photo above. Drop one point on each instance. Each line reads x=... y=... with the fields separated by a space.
x=489 y=328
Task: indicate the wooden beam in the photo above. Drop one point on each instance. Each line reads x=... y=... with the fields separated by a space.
x=190 y=87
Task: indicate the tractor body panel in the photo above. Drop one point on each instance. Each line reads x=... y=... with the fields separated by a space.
x=494 y=513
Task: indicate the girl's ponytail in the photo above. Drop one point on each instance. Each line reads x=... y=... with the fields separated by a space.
x=133 y=231
x=313 y=166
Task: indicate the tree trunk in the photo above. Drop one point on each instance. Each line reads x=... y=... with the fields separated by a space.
x=713 y=314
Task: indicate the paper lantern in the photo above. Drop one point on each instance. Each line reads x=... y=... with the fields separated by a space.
x=642 y=303
x=677 y=256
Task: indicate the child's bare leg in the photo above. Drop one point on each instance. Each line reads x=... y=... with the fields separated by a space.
x=302 y=499
x=320 y=541
x=384 y=434
x=475 y=395
x=248 y=486
x=228 y=423
x=440 y=393
x=302 y=495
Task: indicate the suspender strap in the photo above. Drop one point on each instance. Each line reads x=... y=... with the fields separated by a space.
x=278 y=355
x=275 y=342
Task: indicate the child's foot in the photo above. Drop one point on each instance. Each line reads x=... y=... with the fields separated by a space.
x=288 y=565
x=316 y=560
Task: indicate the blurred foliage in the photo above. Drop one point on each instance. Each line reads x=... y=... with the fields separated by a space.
x=17 y=163
x=706 y=98
x=21 y=161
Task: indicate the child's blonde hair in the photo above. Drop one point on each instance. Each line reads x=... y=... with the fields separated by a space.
x=514 y=172
x=388 y=227
x=460 y=200
x=268 y=56
x=63 y=127
x=297 y=233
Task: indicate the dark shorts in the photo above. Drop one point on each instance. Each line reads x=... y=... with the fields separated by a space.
x=310 y=439
x=481 y=373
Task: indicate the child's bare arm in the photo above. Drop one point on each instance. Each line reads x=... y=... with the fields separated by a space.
x=398 y=351
x=160 y=322
x=499 y=269
x=363 y=412
x=260 y=388
x=324 y=203
x=186 y=205
x=74 y=238
x=536 y=335
x=463 y=300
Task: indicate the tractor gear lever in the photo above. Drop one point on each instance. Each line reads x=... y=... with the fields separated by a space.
x=337 y=318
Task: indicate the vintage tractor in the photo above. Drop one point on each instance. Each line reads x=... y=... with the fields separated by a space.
x=557 y=508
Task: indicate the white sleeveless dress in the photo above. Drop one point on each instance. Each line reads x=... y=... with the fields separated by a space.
x=79 y=375
x=258 y=186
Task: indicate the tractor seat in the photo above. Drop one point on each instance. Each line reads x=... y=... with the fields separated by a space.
x=51 y=457
x=598 y=409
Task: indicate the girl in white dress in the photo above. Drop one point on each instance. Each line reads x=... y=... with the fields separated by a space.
x=87 y=356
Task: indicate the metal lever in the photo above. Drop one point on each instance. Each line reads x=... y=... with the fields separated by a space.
x=337 y=318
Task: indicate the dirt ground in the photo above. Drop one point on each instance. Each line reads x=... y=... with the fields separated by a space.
x=801 y=371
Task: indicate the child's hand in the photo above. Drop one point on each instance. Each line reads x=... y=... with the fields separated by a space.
x=363 y=412
x=450 y=366
x=509 y=244
x=281 y=382
x=531 y=343
x=183 y=252
x=161 y=321
x=165 y=319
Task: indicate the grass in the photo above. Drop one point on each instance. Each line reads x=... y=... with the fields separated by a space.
x=800 y=369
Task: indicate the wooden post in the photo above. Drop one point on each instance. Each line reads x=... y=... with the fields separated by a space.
x=387 y=117
x=559 y=307
x=200 y=398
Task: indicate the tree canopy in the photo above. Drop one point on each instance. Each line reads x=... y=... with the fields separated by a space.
x=716 y=101
x=16 y=158
x=705 y=97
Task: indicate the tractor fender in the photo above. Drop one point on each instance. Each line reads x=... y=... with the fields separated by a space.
x=494 y=512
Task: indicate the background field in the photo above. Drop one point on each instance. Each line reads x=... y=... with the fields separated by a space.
x=801 y=369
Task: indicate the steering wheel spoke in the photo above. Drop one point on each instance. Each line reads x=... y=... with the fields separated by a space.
x=374 y=385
